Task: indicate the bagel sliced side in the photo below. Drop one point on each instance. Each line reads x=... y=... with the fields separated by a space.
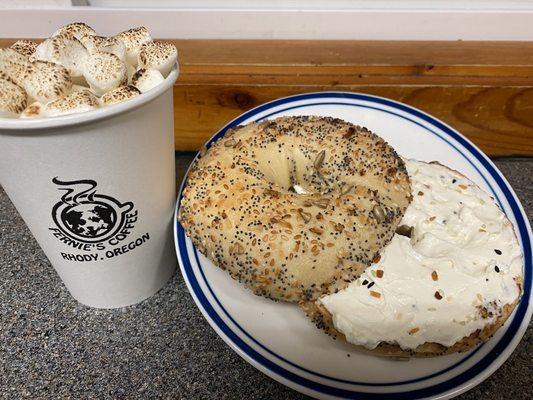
x=447 y=286
x=297 y=206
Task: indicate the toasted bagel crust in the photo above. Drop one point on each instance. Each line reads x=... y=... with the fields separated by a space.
x=240 y=210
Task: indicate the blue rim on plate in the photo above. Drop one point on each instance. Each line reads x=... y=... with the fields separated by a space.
x=492 y=359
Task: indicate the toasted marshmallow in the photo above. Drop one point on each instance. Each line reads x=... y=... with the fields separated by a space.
x=64 y=50
x=76 y=102
x=92 y=42
x=24 y=47
x=34 y=110
x=13 y=99
x=105 y=72
x=146 y=79
x=13 y=66
x=95 y=44
x=77 y=88
x=158 y=55
x=133 y=39
x=130 y=71
x=76 y=29
x=46 y=81
x=119 y=95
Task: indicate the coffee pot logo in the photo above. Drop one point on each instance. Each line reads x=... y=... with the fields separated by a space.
x=87 y=216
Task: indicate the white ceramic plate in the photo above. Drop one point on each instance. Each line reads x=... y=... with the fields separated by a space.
x=281 y=342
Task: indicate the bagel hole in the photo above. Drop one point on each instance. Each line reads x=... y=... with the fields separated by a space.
x=284 y=168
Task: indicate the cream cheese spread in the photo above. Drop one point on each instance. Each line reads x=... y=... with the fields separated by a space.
x=451 y=277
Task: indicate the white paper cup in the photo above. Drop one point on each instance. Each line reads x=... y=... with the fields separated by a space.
x=97 y=190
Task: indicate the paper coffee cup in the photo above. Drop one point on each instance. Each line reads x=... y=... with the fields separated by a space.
x=97 y=190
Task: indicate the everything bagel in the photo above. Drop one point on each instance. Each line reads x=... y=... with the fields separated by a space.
x=297 y=206
x=447 y=281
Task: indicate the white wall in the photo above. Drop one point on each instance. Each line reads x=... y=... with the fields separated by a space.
x=277 y=19
x=315 y=4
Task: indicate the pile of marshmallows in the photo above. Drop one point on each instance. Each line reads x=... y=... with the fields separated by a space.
x=75 y=70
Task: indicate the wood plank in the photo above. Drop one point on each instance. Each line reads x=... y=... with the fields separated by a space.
x=499 y=119
x=356 y=75
x=483 y=89
x=352 y=52
x=355 y=62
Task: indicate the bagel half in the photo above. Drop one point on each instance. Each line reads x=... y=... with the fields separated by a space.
x=442 y=286
x=297 y=206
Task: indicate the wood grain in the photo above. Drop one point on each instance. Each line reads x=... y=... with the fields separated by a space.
x=495 y=119
x=483 y=89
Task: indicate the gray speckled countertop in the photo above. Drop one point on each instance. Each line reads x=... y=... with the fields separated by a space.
x=53 y=347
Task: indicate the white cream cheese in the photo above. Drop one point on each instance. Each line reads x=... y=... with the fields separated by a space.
x=452 y=277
